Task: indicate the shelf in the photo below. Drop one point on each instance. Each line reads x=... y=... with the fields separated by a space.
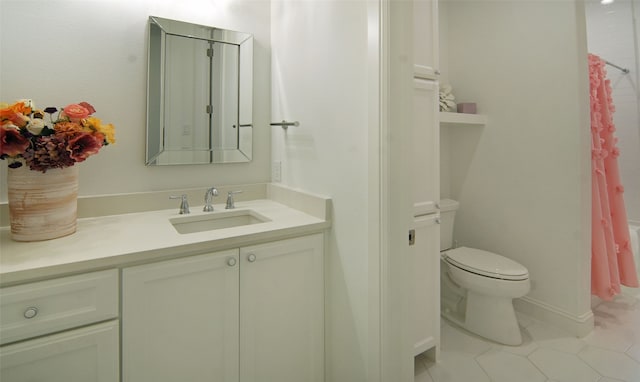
x=463 y=119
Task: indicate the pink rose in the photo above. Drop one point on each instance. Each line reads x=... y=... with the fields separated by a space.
x=76 y=112
x=88 y=106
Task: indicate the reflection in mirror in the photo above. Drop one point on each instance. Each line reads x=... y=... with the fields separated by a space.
x=200 y=94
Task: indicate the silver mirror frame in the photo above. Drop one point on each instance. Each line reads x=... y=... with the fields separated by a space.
x=159 y=29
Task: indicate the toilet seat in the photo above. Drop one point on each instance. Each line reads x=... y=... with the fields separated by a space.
x=486 y=264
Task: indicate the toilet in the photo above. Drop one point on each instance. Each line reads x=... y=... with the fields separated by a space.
x=478 y=287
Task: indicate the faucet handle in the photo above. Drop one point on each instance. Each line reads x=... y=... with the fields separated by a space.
x=230 y=201
x=184 y=204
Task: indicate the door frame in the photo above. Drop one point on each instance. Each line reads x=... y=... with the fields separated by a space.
x=389 y=145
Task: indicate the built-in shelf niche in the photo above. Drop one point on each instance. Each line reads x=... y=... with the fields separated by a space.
x=462 y=118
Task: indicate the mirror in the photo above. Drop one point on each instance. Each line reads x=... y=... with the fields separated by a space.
x=199 y=94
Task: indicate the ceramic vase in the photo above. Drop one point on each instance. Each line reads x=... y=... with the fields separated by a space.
x=42 y=206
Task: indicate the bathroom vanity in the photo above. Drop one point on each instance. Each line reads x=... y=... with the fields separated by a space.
x=128 y=297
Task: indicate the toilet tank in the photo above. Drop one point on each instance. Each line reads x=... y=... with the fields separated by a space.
x=448 y=208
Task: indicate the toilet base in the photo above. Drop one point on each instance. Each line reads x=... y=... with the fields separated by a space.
x=482 y=305
x=493 y=318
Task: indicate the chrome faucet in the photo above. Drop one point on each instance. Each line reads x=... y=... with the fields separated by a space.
x=208 y=197
x=184 y=204
x=230 y=202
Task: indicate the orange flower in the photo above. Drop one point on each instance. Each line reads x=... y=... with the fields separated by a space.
x=69 y=127
x=18 y=107
x=16 y=113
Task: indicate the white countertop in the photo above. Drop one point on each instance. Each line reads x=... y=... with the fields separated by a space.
x=127 y=239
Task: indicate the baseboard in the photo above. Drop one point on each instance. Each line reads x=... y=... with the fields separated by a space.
x=579 y=326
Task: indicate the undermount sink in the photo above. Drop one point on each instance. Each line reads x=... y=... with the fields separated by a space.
x=216 y=220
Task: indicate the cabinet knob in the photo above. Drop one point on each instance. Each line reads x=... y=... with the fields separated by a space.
x=438 y=221
x=231 y=262
x=30 y=312
x=251 y=258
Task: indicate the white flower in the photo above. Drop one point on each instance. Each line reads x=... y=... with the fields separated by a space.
x=35 y=126
x=447 y=99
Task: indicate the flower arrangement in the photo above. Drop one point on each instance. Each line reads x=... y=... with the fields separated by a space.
x=72 y=136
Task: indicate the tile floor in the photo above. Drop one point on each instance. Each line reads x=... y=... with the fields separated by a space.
x=611 y=353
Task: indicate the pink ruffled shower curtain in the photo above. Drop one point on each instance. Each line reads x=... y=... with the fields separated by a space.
x=611 y=257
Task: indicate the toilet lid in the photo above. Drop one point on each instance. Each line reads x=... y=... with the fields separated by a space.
x=486 y=264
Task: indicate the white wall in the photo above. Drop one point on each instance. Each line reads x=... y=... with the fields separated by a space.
x=63 y=51
x=321 y=78
x=611 y=35
x=69 y=51
x=523 y=179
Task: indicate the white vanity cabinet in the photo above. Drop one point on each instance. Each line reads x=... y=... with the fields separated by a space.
x=180 y=319
x=248 y=314
x=61 y=330
x=282 y=311
x=425 y=238
x=426 y=147
x=426 y=273
x=426 y=39
x=425 y=249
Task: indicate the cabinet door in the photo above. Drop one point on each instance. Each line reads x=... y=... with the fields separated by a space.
x=426 y=260
x=425 y=150
x=425 y=38
x=89 y=354
x=180 y=320
x=282 y=316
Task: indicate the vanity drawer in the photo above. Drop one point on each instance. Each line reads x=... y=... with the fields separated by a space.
x=49 y=306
